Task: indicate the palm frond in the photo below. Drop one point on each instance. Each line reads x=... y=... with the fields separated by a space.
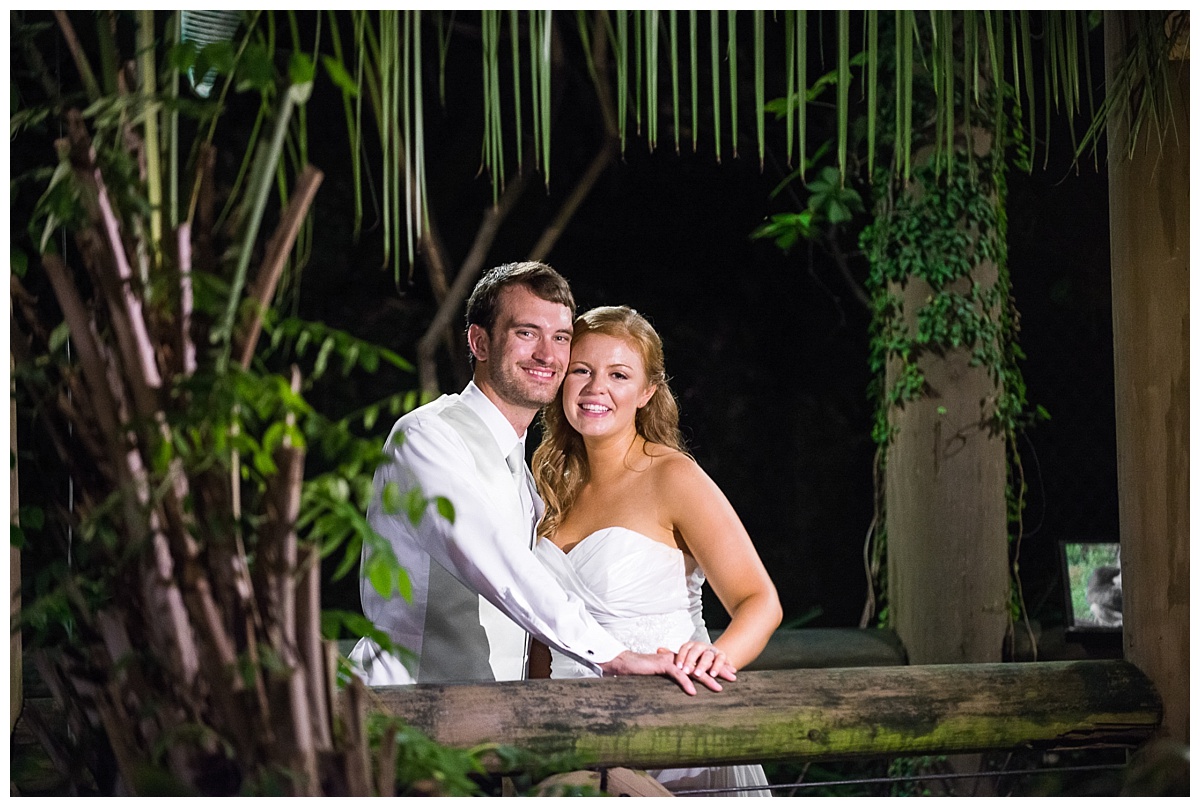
x=967 y=55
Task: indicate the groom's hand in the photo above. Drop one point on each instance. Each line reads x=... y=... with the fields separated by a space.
x=630 y=663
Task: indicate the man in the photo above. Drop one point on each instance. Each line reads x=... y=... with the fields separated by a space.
x=477 y=589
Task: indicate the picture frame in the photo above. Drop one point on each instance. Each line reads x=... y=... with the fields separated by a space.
x=1092 y=584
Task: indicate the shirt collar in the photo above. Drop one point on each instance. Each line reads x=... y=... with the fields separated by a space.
x=503 y=432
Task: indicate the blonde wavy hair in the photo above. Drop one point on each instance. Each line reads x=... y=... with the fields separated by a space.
x=560 y=461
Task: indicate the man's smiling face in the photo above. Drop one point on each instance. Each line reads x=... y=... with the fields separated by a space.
x=521 y=362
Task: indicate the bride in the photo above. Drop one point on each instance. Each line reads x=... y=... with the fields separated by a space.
x=635 y=527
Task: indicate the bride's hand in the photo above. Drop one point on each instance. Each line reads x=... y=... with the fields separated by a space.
x=702 y=660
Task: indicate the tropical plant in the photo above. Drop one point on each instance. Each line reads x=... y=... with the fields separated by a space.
x=172 y=599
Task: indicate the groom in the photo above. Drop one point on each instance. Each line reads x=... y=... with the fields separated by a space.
x=477 y=589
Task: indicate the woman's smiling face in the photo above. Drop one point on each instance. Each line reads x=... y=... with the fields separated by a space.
x=605 y=385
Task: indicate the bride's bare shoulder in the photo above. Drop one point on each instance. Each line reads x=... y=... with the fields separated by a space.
x=671 y=465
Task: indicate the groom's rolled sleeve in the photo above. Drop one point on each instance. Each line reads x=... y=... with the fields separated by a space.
x=476 y=550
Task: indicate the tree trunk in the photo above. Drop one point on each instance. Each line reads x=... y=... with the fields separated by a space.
x=1150 y=241
x=947 y=539
x=943 y=315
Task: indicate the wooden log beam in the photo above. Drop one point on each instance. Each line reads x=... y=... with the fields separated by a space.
x=796 y=648
x=810 y=715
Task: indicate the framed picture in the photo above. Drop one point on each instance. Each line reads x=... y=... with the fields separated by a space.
x=1092 y=581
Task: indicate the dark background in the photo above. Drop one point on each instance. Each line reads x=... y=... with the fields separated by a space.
x=767 y=352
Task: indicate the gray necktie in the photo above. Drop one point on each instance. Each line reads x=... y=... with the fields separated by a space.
x=516 y=464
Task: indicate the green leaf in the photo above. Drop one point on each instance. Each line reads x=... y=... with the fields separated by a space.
x=182 y=56
x=255 y=69
x=59 y=337
x=164 y=452
x=370 y=415
x=32 y=517
x=414 y=503
x=350 y=558
x=403 y=584
x=217 y=56
x=340 y=76
x=334 y=621
x=273 y=437
x=16 y=536
x=295 y=436
x=381 y=578
x=301 y=69
x=323 y=357
x=19 y=261
x=391 y=498
x=837 y=212
x=445 y=508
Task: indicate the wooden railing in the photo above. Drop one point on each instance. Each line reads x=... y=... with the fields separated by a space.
x=796 y=714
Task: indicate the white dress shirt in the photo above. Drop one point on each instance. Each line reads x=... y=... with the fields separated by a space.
x=477 y=588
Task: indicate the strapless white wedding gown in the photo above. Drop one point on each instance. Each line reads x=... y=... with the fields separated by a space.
x=647 y=595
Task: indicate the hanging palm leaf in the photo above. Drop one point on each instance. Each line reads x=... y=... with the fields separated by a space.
x=956 y=48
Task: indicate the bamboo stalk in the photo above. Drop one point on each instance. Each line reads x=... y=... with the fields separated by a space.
x=259 y=190
x=164 y=592
x=166 y=613
x=147 y=89
x=353 y=709
x=187 y=346
x=104 y=254
x=105 y=406
x=278 y=248
x=90 y=85
x=275 y=572
x=163 y=597
x=305 y=760
x=311 y=649
x=114 y=723
x=385 y=774
x=129 y=685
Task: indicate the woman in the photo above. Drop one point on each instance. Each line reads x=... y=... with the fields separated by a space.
x=634 y=526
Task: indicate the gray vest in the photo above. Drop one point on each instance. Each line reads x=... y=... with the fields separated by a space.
x=466 y=638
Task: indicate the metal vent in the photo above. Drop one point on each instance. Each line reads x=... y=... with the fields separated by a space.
x=205 y=28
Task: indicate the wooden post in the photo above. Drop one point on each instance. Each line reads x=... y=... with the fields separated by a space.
x=1149 y=218
x=648 y=722
x=16 y=694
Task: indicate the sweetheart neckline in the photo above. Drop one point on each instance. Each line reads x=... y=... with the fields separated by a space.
x=594 y=533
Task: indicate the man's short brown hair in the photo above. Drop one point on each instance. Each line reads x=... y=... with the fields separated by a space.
x=542 y=280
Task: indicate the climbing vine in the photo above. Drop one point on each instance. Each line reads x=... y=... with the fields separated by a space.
x=940 y=230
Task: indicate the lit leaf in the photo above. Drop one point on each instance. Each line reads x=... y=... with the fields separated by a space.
x=381 y=577
x=391 y=498
x=445 y=508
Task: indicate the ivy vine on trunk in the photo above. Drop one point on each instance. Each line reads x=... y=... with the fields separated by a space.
x=944 y=354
